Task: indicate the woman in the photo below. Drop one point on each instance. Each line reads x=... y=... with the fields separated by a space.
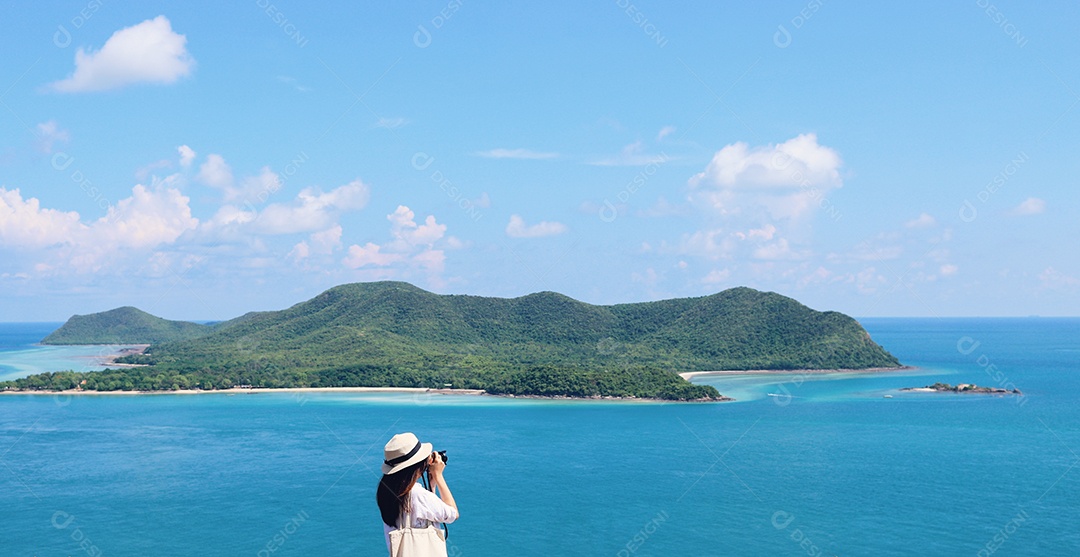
x=399 y=491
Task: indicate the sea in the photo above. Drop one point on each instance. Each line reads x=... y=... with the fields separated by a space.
x=21 y=355
x=830 y=465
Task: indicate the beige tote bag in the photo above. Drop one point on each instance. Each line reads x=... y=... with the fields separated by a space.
x=407 y=541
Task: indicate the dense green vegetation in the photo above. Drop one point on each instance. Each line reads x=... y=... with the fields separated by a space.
x=394 y=334
x=533 y=381
x=126 y=325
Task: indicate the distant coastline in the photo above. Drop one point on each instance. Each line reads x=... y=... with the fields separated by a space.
x=245 y=390
x=690 y=374
x=107 y=360
x=367 y=390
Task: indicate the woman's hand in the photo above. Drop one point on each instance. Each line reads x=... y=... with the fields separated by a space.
x=435 y=465
x=438 y=482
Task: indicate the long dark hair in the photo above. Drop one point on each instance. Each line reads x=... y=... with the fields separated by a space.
x=392 y=494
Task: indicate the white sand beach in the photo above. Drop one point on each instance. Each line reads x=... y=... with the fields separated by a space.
x=241 y=390
x=689 y=374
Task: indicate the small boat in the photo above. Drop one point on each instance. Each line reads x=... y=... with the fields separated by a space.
x=775 y=394
x=887 y=396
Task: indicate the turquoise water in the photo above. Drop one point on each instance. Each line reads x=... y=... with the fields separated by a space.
x=21 y=356
x=831 y=468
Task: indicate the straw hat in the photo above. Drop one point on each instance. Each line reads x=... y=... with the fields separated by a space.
x=404 y=450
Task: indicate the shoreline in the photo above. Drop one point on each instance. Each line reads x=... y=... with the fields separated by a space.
x=128 y=350
x=366 y=390
x=610 y=398
x=719 y=373
x=236 y=390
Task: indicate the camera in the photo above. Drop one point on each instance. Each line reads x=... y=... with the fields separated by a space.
x=442 y=456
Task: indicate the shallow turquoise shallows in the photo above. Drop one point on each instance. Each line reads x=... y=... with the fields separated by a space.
x=20 y=355
x=828 y=466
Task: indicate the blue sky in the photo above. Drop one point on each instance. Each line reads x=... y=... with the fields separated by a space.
x=910 y=159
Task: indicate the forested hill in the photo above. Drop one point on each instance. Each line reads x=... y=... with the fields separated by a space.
x=126 y=325
x=393 y=322
x=395 y=334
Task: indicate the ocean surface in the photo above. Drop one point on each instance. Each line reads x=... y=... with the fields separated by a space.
x=20 y=355
x=827 y=466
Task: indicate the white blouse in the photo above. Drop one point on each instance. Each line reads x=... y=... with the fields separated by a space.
x=425 y=507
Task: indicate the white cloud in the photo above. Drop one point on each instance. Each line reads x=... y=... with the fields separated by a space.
x=24 y=224
x=785 y=165
x=409 y=234
x=786 y=180
x=819 y=275
x=323 y=242
x=518 y=229
x=780 y=249
x=882 y=247
x=517 y=154
x=239 y=222
x=215 y=172
x=922 y=221
x=483 y=202
x=709 y=243
x=311 y=210
x=369 y=255
x=169 y=264
x=763 y=243
x=664 y=132
x=350 y=197
x=413 y=247
x=149 y=52
x=49 y=133
x=1028 y=207
x=252 y=190
x=255 y=189
x=144 y=172
x=327 y=240
x=230 y=215
x=764 y=233
x=432 y=261
x=633 y=155
x=146 y=219
x=152 y=216
x=948 y=270
x=187 y=155
x=1056 y=280
x=300 y=251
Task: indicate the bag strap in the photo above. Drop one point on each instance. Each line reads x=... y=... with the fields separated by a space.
x=406 y=522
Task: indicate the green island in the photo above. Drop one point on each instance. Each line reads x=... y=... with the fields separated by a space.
x=962 y=388
x=393 y=334
x=126 y=325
